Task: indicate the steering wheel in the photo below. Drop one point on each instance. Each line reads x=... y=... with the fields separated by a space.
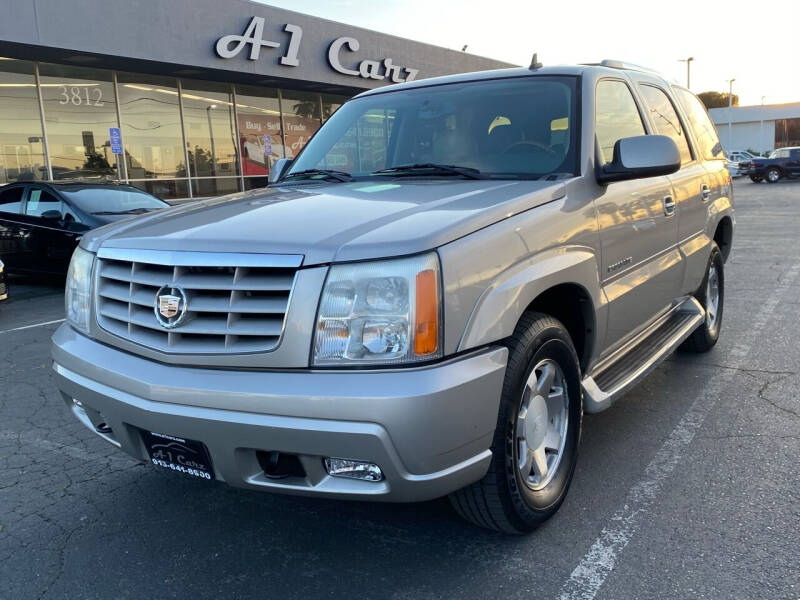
x=537 y=145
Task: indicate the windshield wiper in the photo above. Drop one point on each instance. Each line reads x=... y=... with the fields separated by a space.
x=323 y=173
x=132 y=211
x=467 y=172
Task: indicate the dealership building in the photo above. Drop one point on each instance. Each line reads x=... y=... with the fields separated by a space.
x=760 y=128
x=182 y=98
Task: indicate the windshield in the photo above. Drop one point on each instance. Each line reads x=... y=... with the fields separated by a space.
x=112 y=200
x=520 y=128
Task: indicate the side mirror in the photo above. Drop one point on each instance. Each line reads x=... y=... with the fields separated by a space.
x=51 y=215
x=640 y=156
x=279 y=168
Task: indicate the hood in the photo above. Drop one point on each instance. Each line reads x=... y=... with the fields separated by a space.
x=331 y=222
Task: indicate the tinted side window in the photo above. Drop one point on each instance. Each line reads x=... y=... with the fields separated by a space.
x=782 y=154
x=665 y=119
x=40 y=201
x=616 y=116
x=10 y=200
x=704 y=131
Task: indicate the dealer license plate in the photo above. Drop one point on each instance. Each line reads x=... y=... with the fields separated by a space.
x=189 y=457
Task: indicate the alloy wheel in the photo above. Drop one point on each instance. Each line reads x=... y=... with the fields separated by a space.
x=712 y=299
x=541 y=429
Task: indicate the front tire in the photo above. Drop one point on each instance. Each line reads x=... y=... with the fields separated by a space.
x=772 y=175
x=756 y=178
x=711 y=295
x=535 y=443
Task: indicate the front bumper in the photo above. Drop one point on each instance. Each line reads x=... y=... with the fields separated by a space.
x=428 y=428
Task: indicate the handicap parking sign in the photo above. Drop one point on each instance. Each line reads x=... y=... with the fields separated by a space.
x=115 y=135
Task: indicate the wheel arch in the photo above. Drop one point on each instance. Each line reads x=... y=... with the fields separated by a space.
x=572 y=305
x=723 y=236
x=563 y=283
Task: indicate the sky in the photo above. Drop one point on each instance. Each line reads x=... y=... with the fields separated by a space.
x=727 y=38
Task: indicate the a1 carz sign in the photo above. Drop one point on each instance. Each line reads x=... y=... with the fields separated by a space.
x=229 y=46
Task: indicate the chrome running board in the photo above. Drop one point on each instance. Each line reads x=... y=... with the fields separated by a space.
x=608 y=381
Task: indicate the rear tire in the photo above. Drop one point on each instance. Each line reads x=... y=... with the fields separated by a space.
x=773 y=174
x=540 y=409
x=711 y=295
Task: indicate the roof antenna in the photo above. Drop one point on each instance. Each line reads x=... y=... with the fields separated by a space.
x=535 y=64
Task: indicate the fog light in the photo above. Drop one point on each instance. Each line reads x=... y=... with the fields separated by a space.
x=353 y=469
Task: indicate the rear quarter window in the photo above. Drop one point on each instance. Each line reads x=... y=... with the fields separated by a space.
x=665 y=118
x=705 y=133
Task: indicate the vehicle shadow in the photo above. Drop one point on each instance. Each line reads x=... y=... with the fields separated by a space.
x=215 y=541
x=182 y=537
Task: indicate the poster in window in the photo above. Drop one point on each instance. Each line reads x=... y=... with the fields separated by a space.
x=260 y=142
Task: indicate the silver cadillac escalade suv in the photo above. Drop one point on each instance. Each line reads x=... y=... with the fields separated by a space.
x=423 y=303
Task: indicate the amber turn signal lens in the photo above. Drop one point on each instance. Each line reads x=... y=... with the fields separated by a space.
x=426 y=314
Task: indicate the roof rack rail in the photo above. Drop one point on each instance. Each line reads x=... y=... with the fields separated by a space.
x=621 y=64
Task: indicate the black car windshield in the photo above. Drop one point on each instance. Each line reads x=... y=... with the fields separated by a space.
x=111 y=200
x=519 y=128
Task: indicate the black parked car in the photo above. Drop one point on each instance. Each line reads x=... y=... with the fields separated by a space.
x=41 y=223
x=784 y=162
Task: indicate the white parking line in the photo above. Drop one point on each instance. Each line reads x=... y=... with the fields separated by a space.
x=588 y=577
x=34 y=325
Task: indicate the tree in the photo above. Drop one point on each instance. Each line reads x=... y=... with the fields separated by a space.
x=717 y=99
x=307 y=108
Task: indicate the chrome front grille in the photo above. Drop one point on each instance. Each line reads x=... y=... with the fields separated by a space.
x=235 y=303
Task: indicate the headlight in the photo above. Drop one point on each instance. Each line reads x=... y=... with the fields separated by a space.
x=380 y=312
x=79 y=289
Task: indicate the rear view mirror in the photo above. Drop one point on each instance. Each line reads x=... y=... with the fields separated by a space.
x=641 y=156
x=279 y=168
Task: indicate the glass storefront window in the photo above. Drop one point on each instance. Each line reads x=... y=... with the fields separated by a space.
x=208 y=123
x=254 y=183
x=301 y=118
x=21 y=140
x=260 y=136
x=166 y=189
x=215 y=186
x=179 y=140
x=330 y=104
x=152 y=135
x=79 y=108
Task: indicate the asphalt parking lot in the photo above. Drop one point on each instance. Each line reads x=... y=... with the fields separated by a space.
x=689 y=487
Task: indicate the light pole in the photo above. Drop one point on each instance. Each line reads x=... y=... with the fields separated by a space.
x=730 y=117
x=688 y=62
